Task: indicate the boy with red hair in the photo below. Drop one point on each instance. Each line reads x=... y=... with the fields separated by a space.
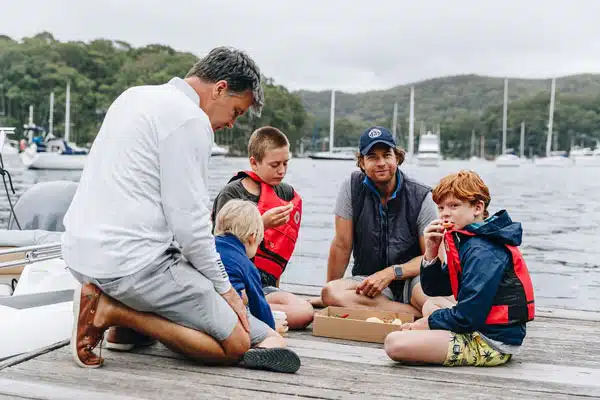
x=484 y=323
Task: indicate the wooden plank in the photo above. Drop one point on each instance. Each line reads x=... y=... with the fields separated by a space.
x=131 y=373
x=32 y=354
x=46 y=390
x=535 y=372
x=541 y=311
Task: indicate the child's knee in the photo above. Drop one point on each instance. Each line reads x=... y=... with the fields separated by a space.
x=394 y=345
x=432 y=304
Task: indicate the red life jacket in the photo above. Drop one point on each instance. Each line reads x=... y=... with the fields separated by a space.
x=276 y=249
x=514 y=301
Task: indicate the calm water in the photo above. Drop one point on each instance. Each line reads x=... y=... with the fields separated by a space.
x=559 y=210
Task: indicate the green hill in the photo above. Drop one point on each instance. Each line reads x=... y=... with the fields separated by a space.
x=466 y=102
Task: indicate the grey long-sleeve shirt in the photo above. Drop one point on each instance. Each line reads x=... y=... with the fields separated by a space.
x=144 y=186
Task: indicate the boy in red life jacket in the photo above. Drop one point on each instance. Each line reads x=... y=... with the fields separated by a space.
x=281 y=209
x=483 y=324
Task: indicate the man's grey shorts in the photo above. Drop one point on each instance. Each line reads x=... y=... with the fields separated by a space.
x=181 y=294
x=409 y=285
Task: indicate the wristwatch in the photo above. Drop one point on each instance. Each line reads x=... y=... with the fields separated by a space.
x=398 y=272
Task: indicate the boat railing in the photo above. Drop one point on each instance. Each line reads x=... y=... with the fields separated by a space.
x=35 y=253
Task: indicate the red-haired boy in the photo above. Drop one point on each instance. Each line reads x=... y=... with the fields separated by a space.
x=484 y=323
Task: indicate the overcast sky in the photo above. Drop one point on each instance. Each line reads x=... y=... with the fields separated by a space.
x=347 y=45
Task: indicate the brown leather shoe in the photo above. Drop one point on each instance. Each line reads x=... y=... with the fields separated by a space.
x=125 y=339
x=85 y=335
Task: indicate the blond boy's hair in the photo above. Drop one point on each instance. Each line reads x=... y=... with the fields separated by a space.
x=265 y=139
x=240 y=218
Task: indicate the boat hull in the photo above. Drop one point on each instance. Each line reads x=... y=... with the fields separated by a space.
x=587 y=161
x=428 y=160
x=34 y=160
x=509 y=161
x=554 y=161
x=326 y=155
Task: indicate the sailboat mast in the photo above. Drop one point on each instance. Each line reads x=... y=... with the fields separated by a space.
x=395 y=123
x=504 y=115
x=472 y=150
x=68 y=113
x=522 y=147
x=550 y=118
x=332 y=120
x=411 y=124
x=51 y=116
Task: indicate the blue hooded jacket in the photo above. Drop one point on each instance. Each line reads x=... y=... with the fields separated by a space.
x=243 y=275
x=484 y=259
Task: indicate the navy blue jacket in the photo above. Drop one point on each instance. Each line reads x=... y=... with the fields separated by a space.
x=243 y=275
x=483 y=259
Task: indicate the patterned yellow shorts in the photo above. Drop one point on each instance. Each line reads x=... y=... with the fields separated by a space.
x=471 y=349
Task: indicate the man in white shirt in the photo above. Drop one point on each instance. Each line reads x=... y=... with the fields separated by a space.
x=138 y=231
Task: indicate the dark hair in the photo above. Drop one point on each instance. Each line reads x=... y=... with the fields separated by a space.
x=235 y=67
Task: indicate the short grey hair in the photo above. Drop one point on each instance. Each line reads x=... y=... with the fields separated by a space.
x=235 y=67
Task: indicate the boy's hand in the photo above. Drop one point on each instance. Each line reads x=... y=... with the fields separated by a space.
x=434 y=233
x=277 y=216
x=373 y=285
x=235 y=302
x=419 y=325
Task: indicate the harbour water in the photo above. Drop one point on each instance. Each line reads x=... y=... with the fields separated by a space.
x=558 y=207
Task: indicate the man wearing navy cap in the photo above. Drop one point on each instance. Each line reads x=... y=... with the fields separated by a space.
x=380 y=216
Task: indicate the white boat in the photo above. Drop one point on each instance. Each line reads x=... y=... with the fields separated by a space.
x=49 y=152
x=585 y=156
x=42 y=296
x=10 y=148
x=554 y=159
x=508 y=160
x=429 y=150
x=217 y=151
x=337 y=153
x=334 y=153
x=58 y=159
x=5 y=143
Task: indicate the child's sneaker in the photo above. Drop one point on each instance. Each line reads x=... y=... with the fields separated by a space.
x=278 y=359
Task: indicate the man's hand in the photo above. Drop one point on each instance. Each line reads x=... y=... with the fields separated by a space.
x=419 y=325
x=373 y=285
x=277 y=216
x=434 y=233
x=235 y=302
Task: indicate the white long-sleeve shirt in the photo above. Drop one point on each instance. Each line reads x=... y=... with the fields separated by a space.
x=144 y=186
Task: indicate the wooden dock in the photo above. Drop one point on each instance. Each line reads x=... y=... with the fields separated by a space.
x=560 y=359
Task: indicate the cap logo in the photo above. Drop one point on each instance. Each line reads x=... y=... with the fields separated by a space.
x=373 y=133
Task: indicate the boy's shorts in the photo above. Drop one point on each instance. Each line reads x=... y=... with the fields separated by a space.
x=470 y=349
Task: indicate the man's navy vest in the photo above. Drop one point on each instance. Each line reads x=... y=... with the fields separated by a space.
x=384 y=235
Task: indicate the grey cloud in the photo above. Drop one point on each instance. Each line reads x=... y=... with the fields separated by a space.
x=353 y=46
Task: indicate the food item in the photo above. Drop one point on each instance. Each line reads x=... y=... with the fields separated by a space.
x=447 y=224
x=374 y=319
x=396 y=322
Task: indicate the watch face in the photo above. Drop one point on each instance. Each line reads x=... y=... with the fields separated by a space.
x=398 y=271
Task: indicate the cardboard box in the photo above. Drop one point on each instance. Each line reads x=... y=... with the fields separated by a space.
x=328 y=323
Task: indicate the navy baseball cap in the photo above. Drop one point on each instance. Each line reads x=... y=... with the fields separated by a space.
x=374 y=135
